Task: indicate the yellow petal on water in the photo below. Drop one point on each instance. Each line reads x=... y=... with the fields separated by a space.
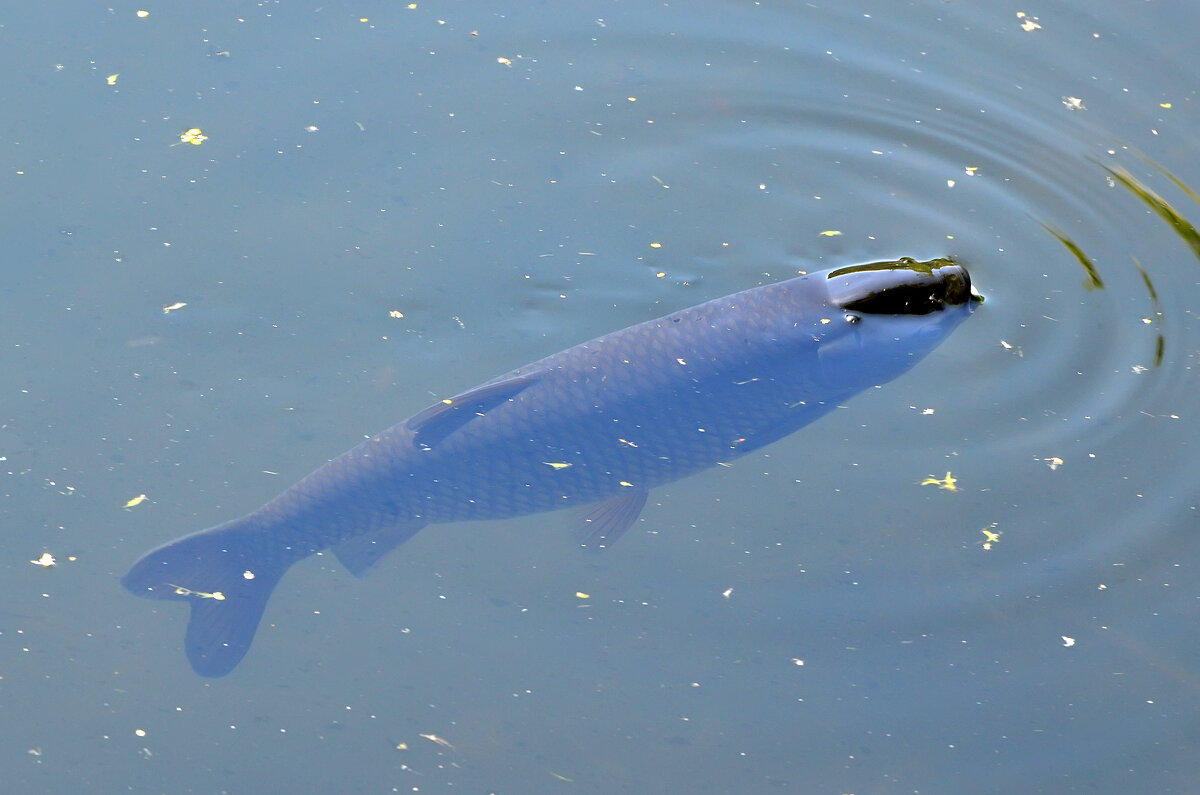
x=949 y=483
x=990 y=536
x=1165 y=105
x=831 y=232
x=45 y=561
x=138 y=500
x=396 y=313
x=112 y=79
x=557 y=464
x=504 y=61
x=143 y=14
x=656 y=245
x=582 y=595
x=194 y=136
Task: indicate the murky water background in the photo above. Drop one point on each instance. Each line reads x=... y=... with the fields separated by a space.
x=513 y=179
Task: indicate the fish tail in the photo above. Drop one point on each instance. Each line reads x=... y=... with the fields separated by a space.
x=226 y=574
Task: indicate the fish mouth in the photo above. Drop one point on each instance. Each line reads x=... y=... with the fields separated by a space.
x=902 y=287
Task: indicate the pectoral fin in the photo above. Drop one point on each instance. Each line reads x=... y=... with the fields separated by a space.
x=604 y=522
x=360 y=553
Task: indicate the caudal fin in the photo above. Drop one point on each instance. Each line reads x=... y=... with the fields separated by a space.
x=226 y=574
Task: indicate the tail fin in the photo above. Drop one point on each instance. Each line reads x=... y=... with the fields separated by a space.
x=227 y=574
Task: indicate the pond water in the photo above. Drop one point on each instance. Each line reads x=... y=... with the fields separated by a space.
x=386 y=205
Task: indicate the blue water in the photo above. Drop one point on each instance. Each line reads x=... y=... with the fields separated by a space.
x=812 y=619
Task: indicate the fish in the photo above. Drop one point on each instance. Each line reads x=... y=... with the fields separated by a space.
x=593 y=427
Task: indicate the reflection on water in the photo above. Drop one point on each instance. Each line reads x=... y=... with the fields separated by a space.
x=1161 y=341
x=1159 y=205
x=1089 y=267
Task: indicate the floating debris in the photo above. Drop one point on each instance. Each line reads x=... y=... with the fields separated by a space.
x=990 y=536
x=179 y=589
x=195 y=136
x=949 y=483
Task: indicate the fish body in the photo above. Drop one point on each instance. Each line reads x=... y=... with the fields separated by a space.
x=596 y=425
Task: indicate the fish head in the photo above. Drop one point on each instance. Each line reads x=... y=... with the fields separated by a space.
x=883 y=317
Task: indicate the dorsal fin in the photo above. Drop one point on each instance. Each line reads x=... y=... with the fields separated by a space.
x=442 y=419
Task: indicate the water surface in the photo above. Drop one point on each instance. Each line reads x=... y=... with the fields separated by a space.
x=395 y=203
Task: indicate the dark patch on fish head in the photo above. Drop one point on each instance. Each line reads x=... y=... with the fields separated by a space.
x=886 y=316
x=903 y=287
